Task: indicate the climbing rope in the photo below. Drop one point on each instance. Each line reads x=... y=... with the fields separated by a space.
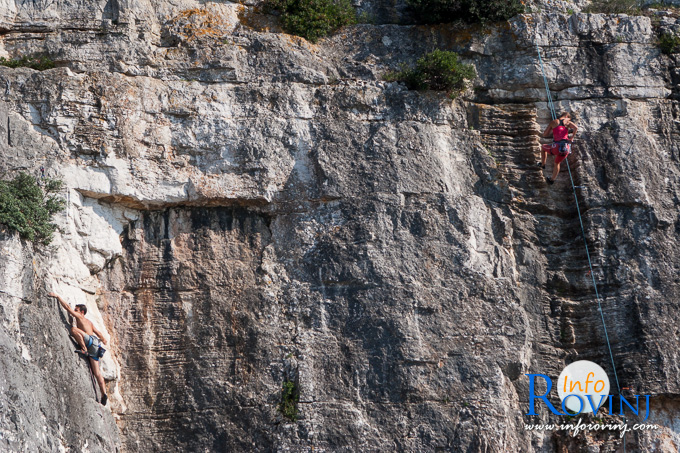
x=94 y=384
x=551 y=106
x=583 y=232
x=592 y=276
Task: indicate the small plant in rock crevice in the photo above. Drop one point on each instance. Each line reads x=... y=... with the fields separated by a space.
x=27 y=208
x=669 y=43
x=366 y=18
x=39 y=63
x=563 y=335
x=290 y=395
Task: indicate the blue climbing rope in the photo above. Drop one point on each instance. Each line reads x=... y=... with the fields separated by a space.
x=592 y=275
x=551 y=106
x=583 y=231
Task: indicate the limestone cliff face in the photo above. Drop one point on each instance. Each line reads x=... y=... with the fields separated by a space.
x=246 y=208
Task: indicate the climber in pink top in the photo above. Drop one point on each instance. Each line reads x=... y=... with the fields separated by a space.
x=561 y=145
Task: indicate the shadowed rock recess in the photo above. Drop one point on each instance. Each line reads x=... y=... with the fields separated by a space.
x=247 y=209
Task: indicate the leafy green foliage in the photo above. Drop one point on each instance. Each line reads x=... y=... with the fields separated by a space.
x=34 y=62
x=290 y=396
x=314 y=19
x=438 y=70
x=27 y=208
x=631 y=7
x=445 y=11
x=669 y=43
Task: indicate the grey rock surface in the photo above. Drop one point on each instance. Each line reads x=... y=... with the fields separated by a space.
x=246 y=208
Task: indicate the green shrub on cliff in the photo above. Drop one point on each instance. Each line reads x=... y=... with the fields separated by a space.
x=669 y=43
x=27 y=208
x=445 y=11
x=289 y=399
x=313 y=19
x=438 y=70
x=38 y=63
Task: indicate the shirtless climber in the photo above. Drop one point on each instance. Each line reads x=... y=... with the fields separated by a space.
x=89 y=344
x=561 y=145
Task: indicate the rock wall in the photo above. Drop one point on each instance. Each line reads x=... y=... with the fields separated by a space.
x=246 y=208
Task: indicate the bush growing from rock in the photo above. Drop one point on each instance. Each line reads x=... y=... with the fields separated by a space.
x=438 y=70
x=34 y=62
x=669 y=43
x=445 y=11
x=27 y=208
x=289 y=399
x=313 y=19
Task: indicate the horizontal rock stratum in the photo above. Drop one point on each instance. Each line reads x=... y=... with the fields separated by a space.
x=245 y=208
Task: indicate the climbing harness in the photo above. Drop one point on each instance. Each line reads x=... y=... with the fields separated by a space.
x=551 y=106
x=94 y=347
x=565 y=147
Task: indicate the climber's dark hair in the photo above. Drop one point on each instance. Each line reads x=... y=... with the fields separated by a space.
x=82 y=308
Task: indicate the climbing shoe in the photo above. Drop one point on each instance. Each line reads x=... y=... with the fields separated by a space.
x=549 y=180
x=104 y=399
x=540 y=165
